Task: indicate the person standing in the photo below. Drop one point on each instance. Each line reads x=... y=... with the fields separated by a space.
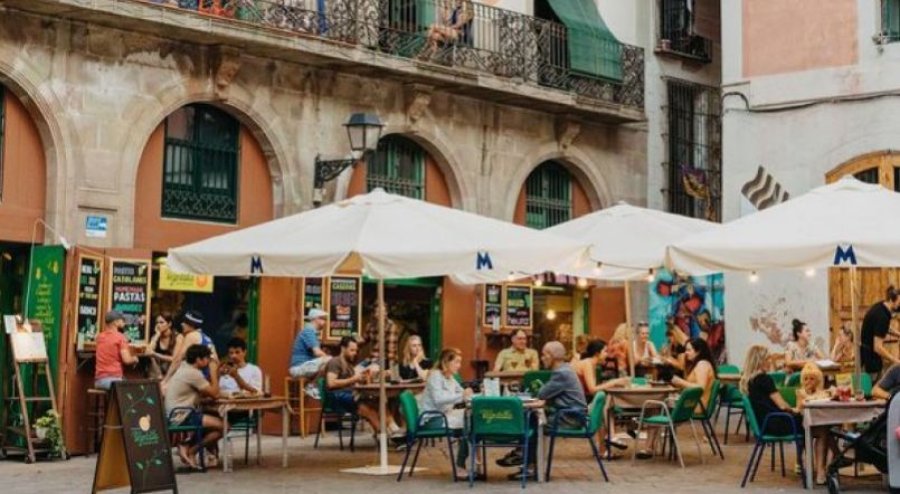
x=875 y=327
x=192 y=334
x=162 y=346
x=391 y=337
x=113 y=353
x=517 y=357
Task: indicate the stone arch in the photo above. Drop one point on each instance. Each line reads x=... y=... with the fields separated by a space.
x=444 y=157
x=585 y=171
x=56 y=137
x=264 y=129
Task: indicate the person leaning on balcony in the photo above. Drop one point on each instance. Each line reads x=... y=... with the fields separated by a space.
x=454 y=24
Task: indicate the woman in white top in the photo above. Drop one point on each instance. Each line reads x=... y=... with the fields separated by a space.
x=644 y=351
x=801 y=351
x=442 y=393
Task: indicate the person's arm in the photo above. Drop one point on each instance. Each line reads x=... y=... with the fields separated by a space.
x=177 y=356
x=209 y=389
x=837 y=352
x=125 y=354
x=253 y=383
x=332 y=382
x=819 y=354
x=498 y=363
x=535 y=359
x=319 y=353
x=552 y=388
x=883 y=352
x=613 y=383
x=780 y=403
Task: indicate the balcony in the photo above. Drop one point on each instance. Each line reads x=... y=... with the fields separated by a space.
x=499 y=55
x=676 y=36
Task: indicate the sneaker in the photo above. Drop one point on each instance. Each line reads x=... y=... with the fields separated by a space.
x=313 y=392
x=644 y=455
x=530 y=474
x=511 y=460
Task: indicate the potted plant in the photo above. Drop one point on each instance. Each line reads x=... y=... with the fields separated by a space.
x=47 y=428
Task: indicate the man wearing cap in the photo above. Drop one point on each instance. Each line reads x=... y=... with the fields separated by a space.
x=307 y=355
x=192 y=334
x=112 y=352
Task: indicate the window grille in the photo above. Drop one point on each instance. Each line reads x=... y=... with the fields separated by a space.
x=398 y=167
x=548 y=196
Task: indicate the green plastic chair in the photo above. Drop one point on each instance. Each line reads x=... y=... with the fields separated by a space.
x=590 y=421
x=191 y=426
x=498 y=421
x=706 y=416
x=331 y=414
x=866 y=381
x=793 y=380
x=423 y=426
x=789 y=394
x=533 y=380
x=762 y=440
x=246 y=427
x=779 y=377
x=731 y=399
x=682 y=412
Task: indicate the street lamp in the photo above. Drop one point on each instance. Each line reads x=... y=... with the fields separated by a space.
x=364 y=132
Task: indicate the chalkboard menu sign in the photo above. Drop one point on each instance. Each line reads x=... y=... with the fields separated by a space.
x=88 y=306
x=313 y=298
x=344 y=306
x=518 y=307
x=492 y=305
x=135 y=434
x=129 y=293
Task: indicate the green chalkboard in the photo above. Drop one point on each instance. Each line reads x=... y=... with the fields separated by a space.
x=44 y=297
x=518 y=312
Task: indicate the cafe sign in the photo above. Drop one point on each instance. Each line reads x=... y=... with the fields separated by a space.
x=184 y=282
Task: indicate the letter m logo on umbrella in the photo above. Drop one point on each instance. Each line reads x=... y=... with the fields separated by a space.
x=483 y=261
x=842 y=255
x=256 y=265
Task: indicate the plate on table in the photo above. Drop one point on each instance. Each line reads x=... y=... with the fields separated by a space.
x=819 y=400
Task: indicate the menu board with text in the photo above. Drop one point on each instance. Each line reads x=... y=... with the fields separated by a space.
x=492 y=305
x=89 y=305
x=313 y=296
x=344 y=307
x=129 y=293
x=518 y=313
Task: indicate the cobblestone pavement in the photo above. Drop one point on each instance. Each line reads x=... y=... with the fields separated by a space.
x=318 y=471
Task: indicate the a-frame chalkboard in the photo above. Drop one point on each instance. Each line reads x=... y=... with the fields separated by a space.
x=135 y=449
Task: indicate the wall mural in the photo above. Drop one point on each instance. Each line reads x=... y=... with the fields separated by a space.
x=693 y=304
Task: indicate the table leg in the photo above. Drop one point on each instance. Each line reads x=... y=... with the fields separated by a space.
x=541 y=459
x=226 y=460
x=284 y=436
x=808 y=449
x=259 y=416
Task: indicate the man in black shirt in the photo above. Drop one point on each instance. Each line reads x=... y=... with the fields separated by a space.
x=875 y=328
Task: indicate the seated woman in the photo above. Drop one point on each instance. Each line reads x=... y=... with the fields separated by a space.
x=442 y=393
x=812 y=387
x=764 y=396
x=699 y=369
x=800 y=351
x=644 y=351
x=586 y=370
x=615 y=363
x=843 y=345
x=455 y=24
x=413 y=362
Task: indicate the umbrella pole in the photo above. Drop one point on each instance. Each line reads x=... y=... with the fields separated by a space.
x=857 y=367
x=382 y=392
x=630 y=332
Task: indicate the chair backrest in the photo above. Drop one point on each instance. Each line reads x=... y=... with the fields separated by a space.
x=709 y=411
x=596 y=412
x=498 y=416
x=778 y=377
x=789 y=395
x=535 y=379
x=751 y=416
x=687 y=402
x=410 y=410
x=728 y=369
x=793 y=380
x=865 y=383
x=323 y=395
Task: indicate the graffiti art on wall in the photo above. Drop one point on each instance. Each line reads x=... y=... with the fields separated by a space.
x=693 y=304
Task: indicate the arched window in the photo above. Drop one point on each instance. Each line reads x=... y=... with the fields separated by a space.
x=398 y=167
x=200 y=168
x=548 y=196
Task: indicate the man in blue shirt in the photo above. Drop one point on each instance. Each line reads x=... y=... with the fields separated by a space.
x=307 y=356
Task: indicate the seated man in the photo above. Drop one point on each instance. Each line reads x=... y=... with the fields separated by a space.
x=237 y=374
x=186 y=389
x=112 y=352
x=341 y=376
x=307 y=355
x=888 y=385
x=518 y=357
x=563 y=390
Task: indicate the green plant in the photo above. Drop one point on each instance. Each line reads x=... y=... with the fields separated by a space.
x=50 y=422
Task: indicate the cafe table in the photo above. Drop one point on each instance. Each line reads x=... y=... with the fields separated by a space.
x=830 y=412
x=392 y=390
x=259 y=404
x=633 y=398
x=507 y=377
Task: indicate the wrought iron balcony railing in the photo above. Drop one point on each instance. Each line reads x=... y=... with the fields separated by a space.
x=677 y=35
x=493 y=40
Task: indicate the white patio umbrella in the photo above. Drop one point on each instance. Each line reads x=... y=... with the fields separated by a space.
x=847 y=223
x=628 y=242
x=383 y=236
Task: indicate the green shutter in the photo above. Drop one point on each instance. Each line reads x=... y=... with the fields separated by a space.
x=45 y=281
x=890 y=19
x=548 y=196
x=593 y=49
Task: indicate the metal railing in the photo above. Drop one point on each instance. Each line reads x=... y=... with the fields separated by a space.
x=676 y=33
x=493 y=40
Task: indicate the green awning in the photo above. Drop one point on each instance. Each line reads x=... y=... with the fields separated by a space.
x=593 y=49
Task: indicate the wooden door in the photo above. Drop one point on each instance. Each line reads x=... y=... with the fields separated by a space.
x=882 y=168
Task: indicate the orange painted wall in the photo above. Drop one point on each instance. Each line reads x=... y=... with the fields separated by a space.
x=607 y=311
x=24 y=174
x=279 y=320
x=154 y=232
x=793 y=36
x=459 y=323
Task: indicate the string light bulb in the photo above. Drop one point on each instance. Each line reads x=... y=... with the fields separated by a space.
x=511 y=277
x=538 y=281
x=651 y=275
x=753 y=277
x=551 y=314
x=582 y=283
x=810 y=272
x=597 y=268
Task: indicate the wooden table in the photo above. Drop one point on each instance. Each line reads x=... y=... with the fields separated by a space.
x=392 y=389
x=507 y=377
x=734 y=379
x=834 y=413
x=256 y=404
